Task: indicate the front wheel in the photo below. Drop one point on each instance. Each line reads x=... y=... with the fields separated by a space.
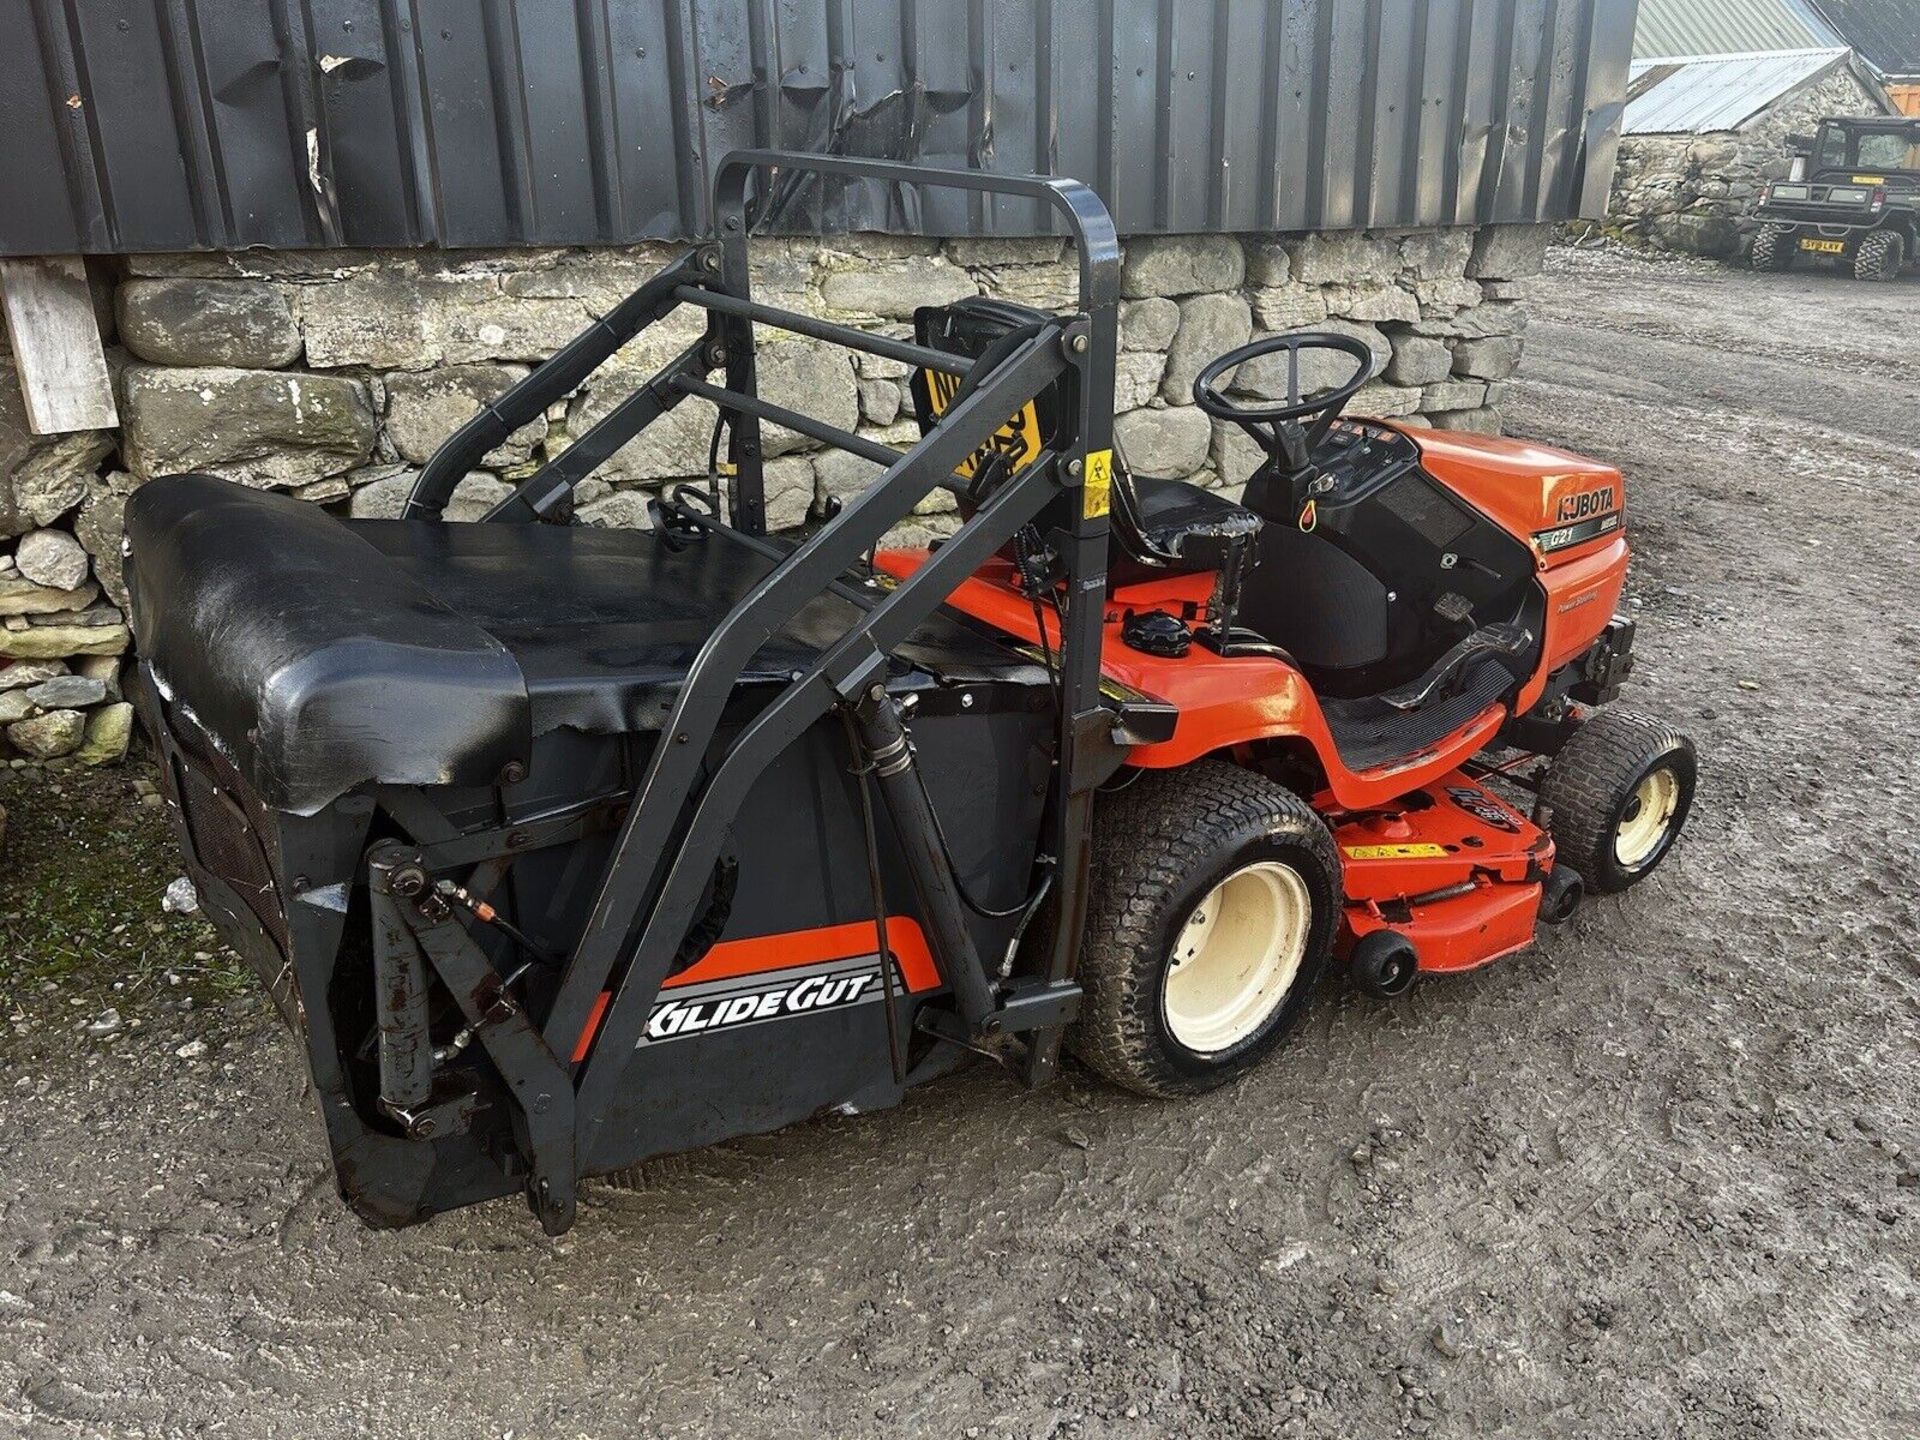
x=1211 y=915
x=1616 y=796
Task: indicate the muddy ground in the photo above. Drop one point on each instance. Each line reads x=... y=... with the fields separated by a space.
x=1655 y=1178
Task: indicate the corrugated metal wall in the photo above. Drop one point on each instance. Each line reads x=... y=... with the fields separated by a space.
x=139 y=125
x=1670 y=29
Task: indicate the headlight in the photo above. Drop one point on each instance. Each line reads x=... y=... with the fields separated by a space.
x=1787 y=192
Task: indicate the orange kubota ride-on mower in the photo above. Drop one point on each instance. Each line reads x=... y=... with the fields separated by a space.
x=562 y=848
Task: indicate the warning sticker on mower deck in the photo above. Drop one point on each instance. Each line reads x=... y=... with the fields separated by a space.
x=744 y=1000
x=1394 y=852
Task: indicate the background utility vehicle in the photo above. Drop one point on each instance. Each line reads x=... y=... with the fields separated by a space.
x=562 y=848
x=1853 y=199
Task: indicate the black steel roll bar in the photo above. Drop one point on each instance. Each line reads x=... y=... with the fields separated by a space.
x=815 y=328
x=559 y=377
x=674 y=829
x=738 y=404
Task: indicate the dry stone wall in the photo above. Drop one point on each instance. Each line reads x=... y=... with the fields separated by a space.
x=332 y=376
x=1689 y=192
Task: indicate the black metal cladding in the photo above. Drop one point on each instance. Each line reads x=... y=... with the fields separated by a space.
x=153 y=125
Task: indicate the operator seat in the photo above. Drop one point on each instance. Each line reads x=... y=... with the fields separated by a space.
x=1159 y=528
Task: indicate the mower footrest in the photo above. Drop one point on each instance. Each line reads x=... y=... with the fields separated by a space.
x=1505 y=640
x=1370 y=733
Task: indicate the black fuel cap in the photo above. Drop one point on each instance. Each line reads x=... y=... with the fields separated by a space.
x=1156 y=633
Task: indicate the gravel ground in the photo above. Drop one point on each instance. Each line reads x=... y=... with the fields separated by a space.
x=1654 y=1178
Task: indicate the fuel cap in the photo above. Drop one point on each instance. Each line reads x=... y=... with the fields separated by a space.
x=1155 y=632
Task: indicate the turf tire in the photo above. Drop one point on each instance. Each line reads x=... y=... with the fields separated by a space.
x=1771 y=250
x=1592 y=781
x=1160 y=846
x=1880 y=256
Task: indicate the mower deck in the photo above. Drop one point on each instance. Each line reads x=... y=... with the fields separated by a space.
x=1451 y=864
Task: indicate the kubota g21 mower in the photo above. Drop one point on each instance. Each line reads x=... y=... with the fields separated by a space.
x=562 y=848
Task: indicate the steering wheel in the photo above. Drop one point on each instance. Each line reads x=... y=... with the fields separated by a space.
x=1265 y=422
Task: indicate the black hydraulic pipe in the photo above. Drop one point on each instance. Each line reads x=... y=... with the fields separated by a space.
x=907 y=353
x=890 y=756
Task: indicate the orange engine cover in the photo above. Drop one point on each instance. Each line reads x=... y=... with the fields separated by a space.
x=1563 y=504
x=1569 y=509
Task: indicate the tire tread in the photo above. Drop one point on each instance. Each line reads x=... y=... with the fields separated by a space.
x=1768 y=253
x=1879 y=256
x=1586 y=778
x=1140 y=836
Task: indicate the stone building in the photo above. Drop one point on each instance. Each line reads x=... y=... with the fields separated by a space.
x=1702 y=135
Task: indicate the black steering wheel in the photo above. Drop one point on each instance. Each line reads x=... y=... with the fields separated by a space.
x=1265 y=422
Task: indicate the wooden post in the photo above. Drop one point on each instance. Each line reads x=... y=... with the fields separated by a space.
x=56 y=345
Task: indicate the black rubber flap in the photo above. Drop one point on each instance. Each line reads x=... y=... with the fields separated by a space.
x=311 y=658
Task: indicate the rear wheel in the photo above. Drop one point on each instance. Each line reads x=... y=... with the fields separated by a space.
x=1210 y=919
x=1772 y=247
x=1617 y=794
x=1880 y=256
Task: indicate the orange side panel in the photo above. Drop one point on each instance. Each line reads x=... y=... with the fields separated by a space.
x=762 y=953
x=1222 y=702
x=1582 y=595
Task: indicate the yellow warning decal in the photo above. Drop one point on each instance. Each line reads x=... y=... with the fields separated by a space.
x=1018 y=439
x=1869 y=179
x=1097 y=491
x=1394 y=852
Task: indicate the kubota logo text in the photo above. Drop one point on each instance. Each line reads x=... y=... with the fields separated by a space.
x=1584 y=505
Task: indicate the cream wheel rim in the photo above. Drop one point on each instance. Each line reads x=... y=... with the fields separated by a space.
x=1647 y=818
x=1236 y=957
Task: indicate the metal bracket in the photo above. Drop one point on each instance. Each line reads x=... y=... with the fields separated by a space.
x=1027 y=1004
x=1036 y=1004
x=851 y=676
x=542 y=1087
x=1096 y=750
x=449 y=1111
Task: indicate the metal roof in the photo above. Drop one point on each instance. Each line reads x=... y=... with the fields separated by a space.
x=1728 y=27
x=140 y=125
x=1694 y=95
x=1886 y=32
